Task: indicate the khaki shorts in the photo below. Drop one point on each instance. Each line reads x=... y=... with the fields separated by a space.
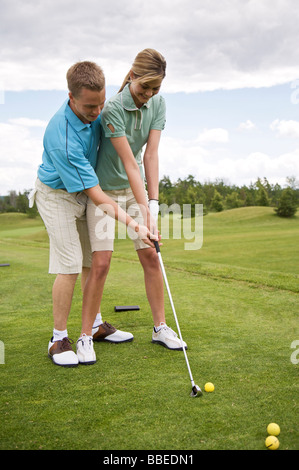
x=101 y=227
x=64 y=215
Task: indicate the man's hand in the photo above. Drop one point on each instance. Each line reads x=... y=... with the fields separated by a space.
x=145 y=235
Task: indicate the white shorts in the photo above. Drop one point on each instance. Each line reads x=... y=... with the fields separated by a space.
x=64 y=215
x=101 y=227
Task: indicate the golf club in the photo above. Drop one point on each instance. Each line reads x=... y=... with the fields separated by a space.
x=196 y=391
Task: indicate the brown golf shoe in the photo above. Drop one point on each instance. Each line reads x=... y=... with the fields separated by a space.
x=107 y=333
x=62 y=354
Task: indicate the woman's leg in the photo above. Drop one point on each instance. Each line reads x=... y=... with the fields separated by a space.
x=93 y=289
x=153 y=283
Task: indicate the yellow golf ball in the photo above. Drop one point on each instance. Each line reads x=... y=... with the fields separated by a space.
x=273 y=429
x=209 y=387
x=272 y=443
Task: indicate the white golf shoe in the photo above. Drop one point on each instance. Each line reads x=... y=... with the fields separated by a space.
x=85 y=351
x=61 y=353
x=167 y=338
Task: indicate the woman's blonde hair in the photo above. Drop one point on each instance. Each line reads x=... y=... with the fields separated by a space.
x=85 y=74
x=148 y=65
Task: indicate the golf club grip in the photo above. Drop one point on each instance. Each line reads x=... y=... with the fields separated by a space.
x=157 y=246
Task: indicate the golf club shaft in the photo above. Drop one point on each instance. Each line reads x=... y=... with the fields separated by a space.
x=173 y=309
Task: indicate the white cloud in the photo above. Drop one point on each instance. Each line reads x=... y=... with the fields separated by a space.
x=21 y=151
x=208 y=45
x=19 y=157
x=27 y=122
x=180 y=158
x=217 y=135
x=286 y=128
x=247 y=125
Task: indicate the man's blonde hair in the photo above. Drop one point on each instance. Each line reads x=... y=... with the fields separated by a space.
x=149 y=65
x=85 y=75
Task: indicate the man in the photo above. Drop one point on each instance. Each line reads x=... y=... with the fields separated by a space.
x=66 y=179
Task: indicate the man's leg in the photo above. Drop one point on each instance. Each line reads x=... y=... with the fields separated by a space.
x=62 y=295
x=59 y=348
x=84 y=276
x=60 y=211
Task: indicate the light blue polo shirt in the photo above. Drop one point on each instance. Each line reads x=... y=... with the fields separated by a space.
x=70 y=152
x=132 y=122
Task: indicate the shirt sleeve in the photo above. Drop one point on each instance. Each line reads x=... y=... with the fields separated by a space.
x=113 y=114
x=74 y=170
x=159 y=119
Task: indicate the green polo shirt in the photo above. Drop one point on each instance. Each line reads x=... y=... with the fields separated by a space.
x=132 y=122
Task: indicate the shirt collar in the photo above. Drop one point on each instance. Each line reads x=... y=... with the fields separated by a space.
x=127 y=100
x=75 y=122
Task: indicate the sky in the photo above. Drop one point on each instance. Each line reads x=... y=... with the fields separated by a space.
x=231 y=86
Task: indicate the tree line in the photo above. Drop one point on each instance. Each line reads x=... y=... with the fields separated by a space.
x=215 y=196
x=17 y=202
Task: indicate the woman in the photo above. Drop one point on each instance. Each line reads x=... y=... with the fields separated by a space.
x=132 y=119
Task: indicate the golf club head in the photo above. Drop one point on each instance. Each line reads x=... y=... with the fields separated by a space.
x=196 y=392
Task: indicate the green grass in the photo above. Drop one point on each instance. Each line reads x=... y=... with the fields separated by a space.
x=237 y=303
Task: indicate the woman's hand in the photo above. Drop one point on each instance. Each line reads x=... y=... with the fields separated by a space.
x=153 y=206
x=145 y=235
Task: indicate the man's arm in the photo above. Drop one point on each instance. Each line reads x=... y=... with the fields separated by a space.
x=99 y=198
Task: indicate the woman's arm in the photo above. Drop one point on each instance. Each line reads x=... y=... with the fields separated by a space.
x=99 y=198
x=124 y=151
x=151 y=164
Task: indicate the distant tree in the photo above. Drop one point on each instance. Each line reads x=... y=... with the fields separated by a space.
x=22 y=202
x=287 y=206
x=232 y=200
x=18 y=203
x=166 y=191
x=243 y=196
x=209 y=191
x=262 y=198
x=217 y=202
x=293 y=183
x=276 y=191
x=13 y=199
x=250 y=195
